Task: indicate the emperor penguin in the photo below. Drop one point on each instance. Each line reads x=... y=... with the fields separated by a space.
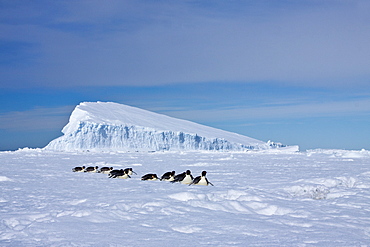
x=184 y=178
x=119 y=174
x=91 y=169
x=79 y=169
x=106 y=170
x=150 y=177
x=168 y=176
x=201 y=180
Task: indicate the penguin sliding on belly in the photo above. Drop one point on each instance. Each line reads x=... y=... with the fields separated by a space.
x=91 y=169
x=106 y=170
x=119 y=174
x=79 y=169
x=150 y=177
x=201 y=180
x=168 y=176
x=184 y=178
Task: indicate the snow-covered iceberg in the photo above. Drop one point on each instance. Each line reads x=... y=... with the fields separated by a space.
x=108 y=126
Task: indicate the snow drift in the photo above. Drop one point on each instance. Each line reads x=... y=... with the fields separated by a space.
x=116 y=127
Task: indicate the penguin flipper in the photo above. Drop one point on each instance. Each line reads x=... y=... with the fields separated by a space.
x=195 y=180
x=208 y=182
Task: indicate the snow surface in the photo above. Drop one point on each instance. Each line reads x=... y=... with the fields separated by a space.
x=313 y=198
x=112 y=126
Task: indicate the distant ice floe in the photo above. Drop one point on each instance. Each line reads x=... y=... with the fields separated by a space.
x=340 y=153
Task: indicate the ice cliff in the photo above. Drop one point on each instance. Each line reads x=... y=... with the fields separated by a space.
x=110 y=126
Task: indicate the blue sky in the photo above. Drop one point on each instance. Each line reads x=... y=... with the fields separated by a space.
x=295 y=72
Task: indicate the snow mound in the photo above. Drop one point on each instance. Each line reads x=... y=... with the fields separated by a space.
x=323 y=188
x=115 y=127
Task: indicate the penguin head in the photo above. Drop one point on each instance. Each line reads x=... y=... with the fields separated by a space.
x=188 y=172
x=204 y=173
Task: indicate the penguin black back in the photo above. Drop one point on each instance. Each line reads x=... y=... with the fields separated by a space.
x=168 y=176
x=119 y=174
x=79 y=169
x=106 y=169
x=92 y=169
x=150 y=176
x=179 y=177
x=184 y=178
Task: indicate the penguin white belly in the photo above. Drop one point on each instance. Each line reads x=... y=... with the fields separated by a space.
x=187 y=180
x=202 y=181
x=123 y=176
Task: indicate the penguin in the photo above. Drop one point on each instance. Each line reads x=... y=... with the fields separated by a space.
x=114 y=172
x=129 y=171
x=118 y=174
x=91 y=169
x=79 y=169
x=201 y=180
x=168 y=176
x=184 y=178
x=105 y=170
x=149 y=176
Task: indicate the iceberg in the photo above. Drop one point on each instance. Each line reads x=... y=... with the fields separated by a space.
x=108 y=126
